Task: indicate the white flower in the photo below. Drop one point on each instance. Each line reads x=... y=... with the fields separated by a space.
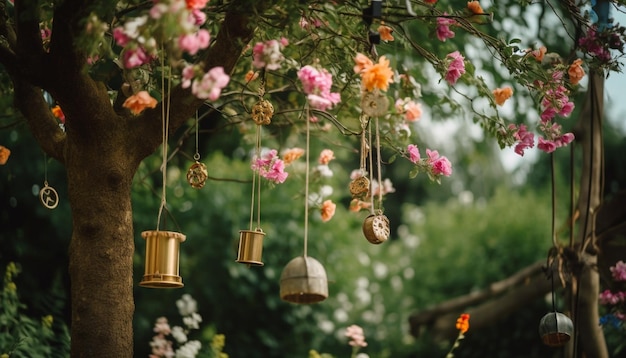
x=187 y=305
x=189 y=350
x=192 y=321
x=325 y=171
x=179 y=334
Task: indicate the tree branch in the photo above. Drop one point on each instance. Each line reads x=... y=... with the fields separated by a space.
x=29 y=48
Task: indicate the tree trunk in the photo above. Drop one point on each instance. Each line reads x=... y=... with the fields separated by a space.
x=587 y=285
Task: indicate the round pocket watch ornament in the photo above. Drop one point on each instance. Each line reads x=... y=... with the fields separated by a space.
x=262 y=112
x=374 y=104
x=359 y=187
x=376 y=228
x=197 y=175
x=48 y=196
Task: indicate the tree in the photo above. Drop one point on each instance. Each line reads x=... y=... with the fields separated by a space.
x=93 y=74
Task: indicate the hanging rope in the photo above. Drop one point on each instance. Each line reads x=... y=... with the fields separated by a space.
x=379 y=169
x=306 y=183
x=165 y=116
x=371 y=163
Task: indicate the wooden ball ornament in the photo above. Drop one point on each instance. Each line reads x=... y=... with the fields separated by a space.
x=376 y=228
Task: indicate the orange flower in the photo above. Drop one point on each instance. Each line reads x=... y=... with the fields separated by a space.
x=377 y=76
x=502 y=94
x=326 y=156
x=361 y=62
x=328 y=210
x=462 y=323
x=290 y=155
x=139 y=101
x=57 y=112
x=4 y=155
x=474 y=8
x=575 y=71
x=251 y=76
x=356 y=205
x=539 y=53
x=430 y=1
x=385 y=33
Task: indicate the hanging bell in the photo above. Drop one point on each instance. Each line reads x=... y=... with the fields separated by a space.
x=555 y=329
x=162 y=259
x=250 y=247
x=303 y=280
x=376 y=228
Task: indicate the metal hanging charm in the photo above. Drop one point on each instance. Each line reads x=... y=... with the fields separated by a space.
x=250 y=249
x=48 y=196
x=197 y=175
x=162 y=259
x=262 y=112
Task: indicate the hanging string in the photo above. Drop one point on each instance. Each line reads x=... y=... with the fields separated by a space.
x=45 y=169
x=371 y=163
x=306 y=183
x=256 y=183
x=571 y=195
x=378 y=168
x=165 y=115
x=196 y=156
x=554 y=243
x=364 y=149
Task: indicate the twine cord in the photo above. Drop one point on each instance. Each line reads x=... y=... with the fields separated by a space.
x=165 y=115
x=306 y=183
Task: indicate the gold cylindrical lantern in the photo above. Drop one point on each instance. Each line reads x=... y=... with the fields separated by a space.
x=250 y=247
x=162 y=259
x=555 y=329
x=303 y=280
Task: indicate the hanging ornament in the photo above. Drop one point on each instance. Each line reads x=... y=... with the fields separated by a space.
x=250 y=249
x=162 y=247
x=48 y=197
x=376 y=227
x=360 y=186
x=555 y=329
x=304 y=279
x=374 y=104
x=197 y=173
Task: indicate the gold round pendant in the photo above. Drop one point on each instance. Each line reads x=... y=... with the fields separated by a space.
x=48 y=197
x=376 y=229
x=262 y=112
x=197 y=175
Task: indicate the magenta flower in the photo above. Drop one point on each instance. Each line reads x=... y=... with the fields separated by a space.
x=270 y=167
x=443 y=28
x=456 y=67
x=414 y=153
x=268 y=54
x=135 y=57
x=525 y=138
x=440 y=165
x=619 y=271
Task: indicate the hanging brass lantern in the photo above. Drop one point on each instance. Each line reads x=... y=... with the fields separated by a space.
x=250 y=247
x=162 y=259
x=303 y=280
x=376 y=228
x=555 y=329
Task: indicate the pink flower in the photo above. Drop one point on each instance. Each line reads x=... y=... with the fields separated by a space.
x=120 y=37
x=192 y=43
x=161 y=326
x=456 y=67
x=135 y=57
x=270 y=167
x=547 y=146
x=526 y=139
x=443 y=28
x=413 y=111
x=356 y=336
x=619 y=271
x=198 y=17
x=211 y=85
x=317 y=85
x=326 y=156
x=414 y=153
x=440 y=165
x=268 y=54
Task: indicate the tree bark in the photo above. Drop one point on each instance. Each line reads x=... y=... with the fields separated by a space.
x=587 y=286
x=101 y=150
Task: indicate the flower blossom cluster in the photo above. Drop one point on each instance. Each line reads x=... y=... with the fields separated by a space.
x=455 y=68
x=177 y=21
x=443 y=31
x=317 y=85
x=615 y=300
x=203 y=85
x=270 y=167
x=162 y=347
x=356 y=336
x=268 y=54
x=435 y=164
x=411 y=110
x=319 y=198
x=374 y=75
